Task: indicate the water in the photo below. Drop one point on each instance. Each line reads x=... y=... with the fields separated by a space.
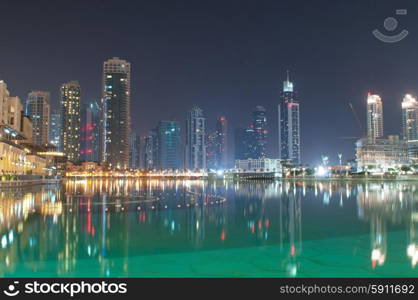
x=140 y=228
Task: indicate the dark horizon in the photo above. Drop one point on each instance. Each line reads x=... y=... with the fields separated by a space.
x=225 y=56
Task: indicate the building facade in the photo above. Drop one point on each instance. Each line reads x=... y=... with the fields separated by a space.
x=38 y=110
x=217 y=146
x=116 y=102
x=380 y=155
x=55 y=130
x=135 y=151
x=410 y=118
x=221 y=148
x=244 y=143
x=260 y=132
x=211 y=159
x=374 y=117
x=169 y=144
x=258 y=165
x=195 y=147
x=289 y=124
x=70 y=102
x=90 y=132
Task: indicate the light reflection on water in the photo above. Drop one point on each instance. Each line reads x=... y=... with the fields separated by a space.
x=115 y=227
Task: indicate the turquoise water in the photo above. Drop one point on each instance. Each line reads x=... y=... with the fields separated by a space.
x=140 y=228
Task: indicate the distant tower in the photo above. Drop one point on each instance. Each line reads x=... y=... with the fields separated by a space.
x=90 y=132
x=195 y=151
x=38 y=110
x=410 y=118
x=55 y=130
x=244 y=143
x=217 y=146
x=134 y=154
x=374 y=117
x=116 y=112
x=169 y=145
x=289 y=124
x=70 y=119
x=260 y=132
x=222 y=142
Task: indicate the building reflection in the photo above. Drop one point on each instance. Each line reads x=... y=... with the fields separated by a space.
x=291 y=228
x=109 y=222
x=390 y=204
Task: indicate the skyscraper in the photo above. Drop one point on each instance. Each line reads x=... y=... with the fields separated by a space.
x=195 y=151
x=216 y=146
x=169 y=145
x=55 y=130
x=222 y=142
x=90 y=132
x=374 y=117
x=70 y=102
x=410 y=118
x=260 y=132
x=211 y=149
x=245 y=143
x=134 y=153
x=289 y=124
x=38 y=110
x=116 y=102
x=149 y=150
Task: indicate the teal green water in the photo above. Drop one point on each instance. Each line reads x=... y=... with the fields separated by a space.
x=140 y=228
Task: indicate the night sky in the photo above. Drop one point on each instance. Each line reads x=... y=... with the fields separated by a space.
x=225 y=56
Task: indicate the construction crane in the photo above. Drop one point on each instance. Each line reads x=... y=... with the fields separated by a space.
x=359 y=125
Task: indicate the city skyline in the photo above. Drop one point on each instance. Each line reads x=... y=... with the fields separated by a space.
x=179 y=70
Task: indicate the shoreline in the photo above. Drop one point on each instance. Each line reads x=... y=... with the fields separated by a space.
x=7 y=184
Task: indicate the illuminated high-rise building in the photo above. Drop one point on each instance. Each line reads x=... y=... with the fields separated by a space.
x=149 y=150
x=260 y=132
x=195 y=151
x=70 y=102
x=38 y=110
x=135 y=151
x=289 y=124
x=211 y=159
x=55 y=130
x=245 y=143
x=116 y=113
x=169 y=145
x=90 y=132
x=410 y=118
x=217 y=146
x=222 y=143
x=374 y=117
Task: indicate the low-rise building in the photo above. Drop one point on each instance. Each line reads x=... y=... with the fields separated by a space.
x=382 y=154
x=262 y=165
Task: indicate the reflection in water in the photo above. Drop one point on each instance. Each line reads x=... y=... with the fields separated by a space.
x=102 y=227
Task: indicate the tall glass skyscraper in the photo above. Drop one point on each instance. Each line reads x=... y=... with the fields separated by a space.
x=260 y=132
x=217 y=146
x=38 y=110
x=70 y=102
x=374 y=117
x=116 y=116
x=195 y=152
x=55 y=130
x=134 y=153
x=169 y=145
x=410 y=118
x=90 y=132
x=289 y=124
x=245 y=143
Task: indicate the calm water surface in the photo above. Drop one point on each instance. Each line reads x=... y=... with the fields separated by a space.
x=155 y=228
